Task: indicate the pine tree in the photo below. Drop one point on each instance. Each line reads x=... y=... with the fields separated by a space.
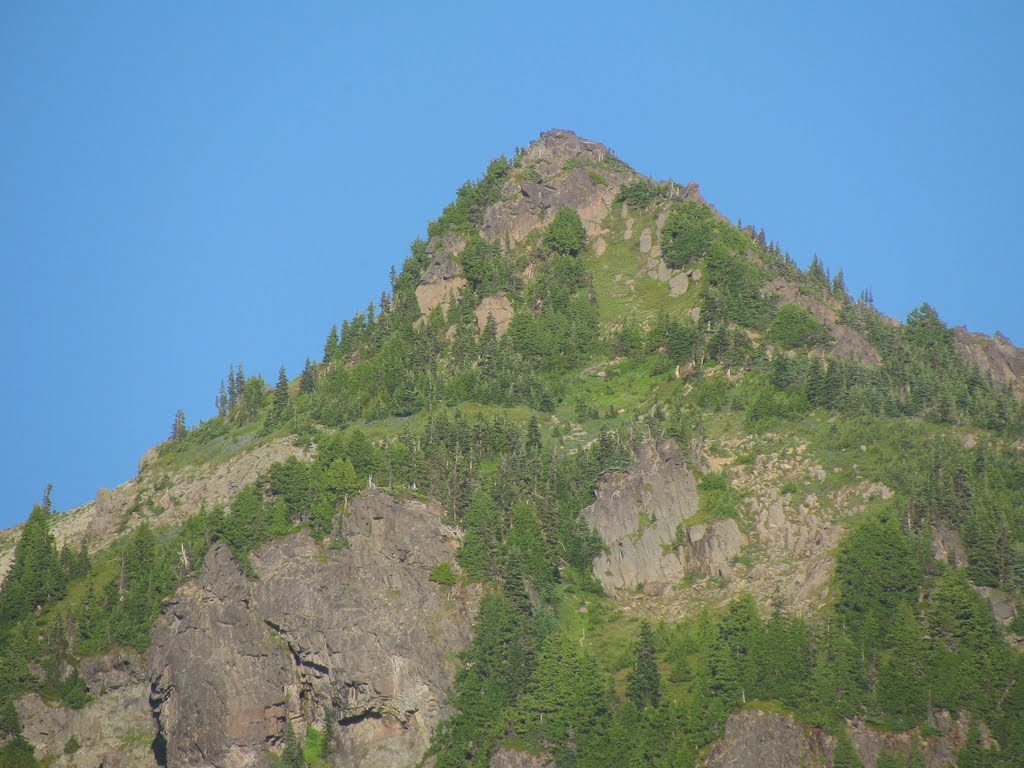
x=222 y=401
x=233 y=392
x=292 y=756
x=240 y=383
x=331 y=345
x=816 y=382
x=307 y=382
x=565 y=234
x=845 y=755
x=36 y=576
x=839 y=286
x=816 y=272
x=643 y=687
x=178 y=430
x=328 y=739
x=280 y=406
x=533 y=434
x=901 y=691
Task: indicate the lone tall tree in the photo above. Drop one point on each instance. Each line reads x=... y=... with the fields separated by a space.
x=644 y=682
x=279 y=410
x=178 y=430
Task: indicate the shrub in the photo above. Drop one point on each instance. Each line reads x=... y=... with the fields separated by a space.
x=442 y=573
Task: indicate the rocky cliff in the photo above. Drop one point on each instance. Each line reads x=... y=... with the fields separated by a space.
x=762 y=739
x=160 y=495
x=356 y=632
x=641 y=512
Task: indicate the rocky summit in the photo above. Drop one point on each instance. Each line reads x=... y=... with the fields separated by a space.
x=603 y=479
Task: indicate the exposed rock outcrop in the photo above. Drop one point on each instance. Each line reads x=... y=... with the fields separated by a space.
x=515 y=758
x=442 y=282
x=163 y=498
x=994 y=355
x=758 y=739
x=712 y=547
x=637 y=513
x=359 y=630
x=640 y=514
x=500 y=308
x=847 y=342
x=947 y=546
x=114 y=730
x=528 y=203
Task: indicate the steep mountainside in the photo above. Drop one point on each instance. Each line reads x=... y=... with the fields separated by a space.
x=601 y=480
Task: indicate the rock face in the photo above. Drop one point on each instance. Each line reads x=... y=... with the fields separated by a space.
x=114 y=730
x=442 y=282
x=994 y=355
x=514 y=758
x=162 y=498
x=640 y=512
x=757 y=739
x=498 y=307
x=360 y=631
x=527 y=204
x=847 y=342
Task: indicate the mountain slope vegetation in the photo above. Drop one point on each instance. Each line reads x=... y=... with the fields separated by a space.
x=852 y=559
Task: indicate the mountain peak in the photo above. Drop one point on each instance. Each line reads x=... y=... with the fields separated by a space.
x=562 y=144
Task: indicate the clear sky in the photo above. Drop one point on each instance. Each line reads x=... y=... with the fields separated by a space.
x=185 y=185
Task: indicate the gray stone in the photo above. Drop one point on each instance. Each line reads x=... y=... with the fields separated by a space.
x=359 y=630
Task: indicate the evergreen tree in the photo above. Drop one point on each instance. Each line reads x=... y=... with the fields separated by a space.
x=292 y=756
x=565 y=234
x=222 y=401
x=36 y=576
x=332 y=344
x=644 y=683
x=845 y=755
x=233 y=392
x=179 y=430
x=816 y=272
x=327 y=747
x=901 y=691
x=533 y=434
x=240 y=382
x=688 y=234
x=280 y=406
x=307 y=382
x=816 y=386
x=839 y=286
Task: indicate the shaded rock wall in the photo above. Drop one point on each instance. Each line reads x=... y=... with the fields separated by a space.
x=360 y=630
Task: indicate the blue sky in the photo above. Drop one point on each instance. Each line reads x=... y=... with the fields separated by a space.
x=192 y=184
